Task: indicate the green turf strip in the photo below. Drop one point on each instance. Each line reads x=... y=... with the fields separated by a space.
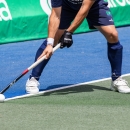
x=86 y=107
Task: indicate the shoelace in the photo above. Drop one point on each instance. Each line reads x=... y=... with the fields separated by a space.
x=124 y=83
x=32 y=82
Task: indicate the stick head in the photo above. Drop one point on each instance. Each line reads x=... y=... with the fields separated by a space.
x=2 y=98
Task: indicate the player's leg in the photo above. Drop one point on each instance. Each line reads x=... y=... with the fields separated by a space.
x=33 y=83
x=37 y=71
x=115 y=50
x=105 y=24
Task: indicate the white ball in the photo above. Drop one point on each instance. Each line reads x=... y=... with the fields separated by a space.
x=2 y=98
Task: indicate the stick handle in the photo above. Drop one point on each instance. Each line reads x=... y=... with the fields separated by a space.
x=41 y=59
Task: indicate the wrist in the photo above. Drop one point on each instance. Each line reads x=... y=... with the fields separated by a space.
x=68 y=32
x=50 y=41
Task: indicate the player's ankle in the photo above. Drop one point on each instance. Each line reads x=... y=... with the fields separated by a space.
x=37 y=78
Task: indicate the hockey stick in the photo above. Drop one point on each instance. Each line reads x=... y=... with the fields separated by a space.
x=27 y=70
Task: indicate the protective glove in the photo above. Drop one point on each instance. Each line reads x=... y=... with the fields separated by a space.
x=66 y=40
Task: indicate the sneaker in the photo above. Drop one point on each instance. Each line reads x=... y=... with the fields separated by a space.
x=120 y=85
x=32 y=86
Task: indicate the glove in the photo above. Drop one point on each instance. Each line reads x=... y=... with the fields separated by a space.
x=66 y=40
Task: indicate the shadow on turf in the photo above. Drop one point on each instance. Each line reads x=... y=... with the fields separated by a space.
x=76 y=89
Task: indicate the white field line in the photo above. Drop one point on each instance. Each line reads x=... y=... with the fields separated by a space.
x=60 y=88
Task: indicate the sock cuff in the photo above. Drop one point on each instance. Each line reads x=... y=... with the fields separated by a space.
x=115 y=46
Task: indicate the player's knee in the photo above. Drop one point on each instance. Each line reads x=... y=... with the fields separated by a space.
x=113 y=36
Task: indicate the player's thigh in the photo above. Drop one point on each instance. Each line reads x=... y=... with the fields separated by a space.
x=67 y=16
x=109 y=32
x=101 y=18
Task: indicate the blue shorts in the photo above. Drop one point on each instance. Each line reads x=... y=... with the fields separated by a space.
x=97 y=16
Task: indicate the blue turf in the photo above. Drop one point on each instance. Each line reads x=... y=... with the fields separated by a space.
x=85 y=61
